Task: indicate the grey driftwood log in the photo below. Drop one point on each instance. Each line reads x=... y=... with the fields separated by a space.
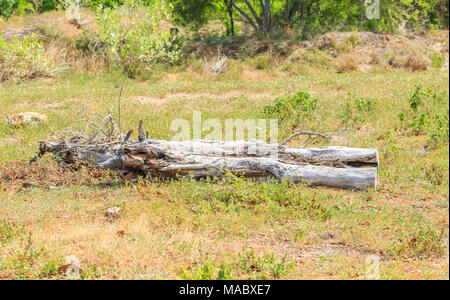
x=339 y=167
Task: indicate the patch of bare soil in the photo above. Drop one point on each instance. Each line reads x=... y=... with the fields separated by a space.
x=10 y=141
x=193 y=96
x=255 y=75
x=282 y=247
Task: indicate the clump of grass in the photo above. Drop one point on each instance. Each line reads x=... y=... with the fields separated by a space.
x=437 y=60
x=316 y=58
x=348 y=44
x=428 y=114
x=411 y=62
x=25 y=261
x=264 y=267
x=9 y=231
x=421 y=242
x=347 y=63
x=357 y=110
x=216 y=65
x=262 y=62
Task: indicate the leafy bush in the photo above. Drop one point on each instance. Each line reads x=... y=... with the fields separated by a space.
x=299 y=105
x=9 y=7
x=134 y=34
x=23 y=58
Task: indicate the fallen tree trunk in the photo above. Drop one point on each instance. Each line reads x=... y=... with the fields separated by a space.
x=330 y=166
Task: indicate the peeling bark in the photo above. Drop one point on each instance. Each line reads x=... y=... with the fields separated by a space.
x=340 y=167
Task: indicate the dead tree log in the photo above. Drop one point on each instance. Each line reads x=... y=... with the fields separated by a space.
x=339 y=167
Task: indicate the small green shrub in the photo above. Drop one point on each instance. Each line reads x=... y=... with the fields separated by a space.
x=357 y=110
x=365 y=105
x=207 y=272
x=297 y=106
x=428 y=114
x=437 y=60
x=264 y=267
x=23 y=58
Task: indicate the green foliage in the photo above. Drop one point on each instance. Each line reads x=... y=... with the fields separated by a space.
x=247 y=264
x=193 y=12
x=10 y=7
x=357 y=110
x=208 y=272
x=95 y=4
x=23 y=58
x=134 y=34
x=428 y=114
x=299 y=105
x=264 y=267
x=437 y=60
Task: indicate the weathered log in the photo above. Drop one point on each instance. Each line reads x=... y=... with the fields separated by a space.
x=329 y=166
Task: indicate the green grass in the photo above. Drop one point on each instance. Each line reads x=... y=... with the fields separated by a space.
x=190 y=229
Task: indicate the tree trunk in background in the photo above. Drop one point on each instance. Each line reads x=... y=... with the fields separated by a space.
x=258 y=25
x=256 y=22
x=286 y=13
x=229 y=6
x=267 y=15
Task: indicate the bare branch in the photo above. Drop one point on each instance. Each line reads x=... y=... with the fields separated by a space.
x=252 y=23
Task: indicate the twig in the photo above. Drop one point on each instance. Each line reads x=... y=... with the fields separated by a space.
x=92 y=124
x=303 y=133
x=120 y=98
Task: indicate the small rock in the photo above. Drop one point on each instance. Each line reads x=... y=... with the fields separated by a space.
x=113 y=213
x=72 y=267
x=27 y=117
